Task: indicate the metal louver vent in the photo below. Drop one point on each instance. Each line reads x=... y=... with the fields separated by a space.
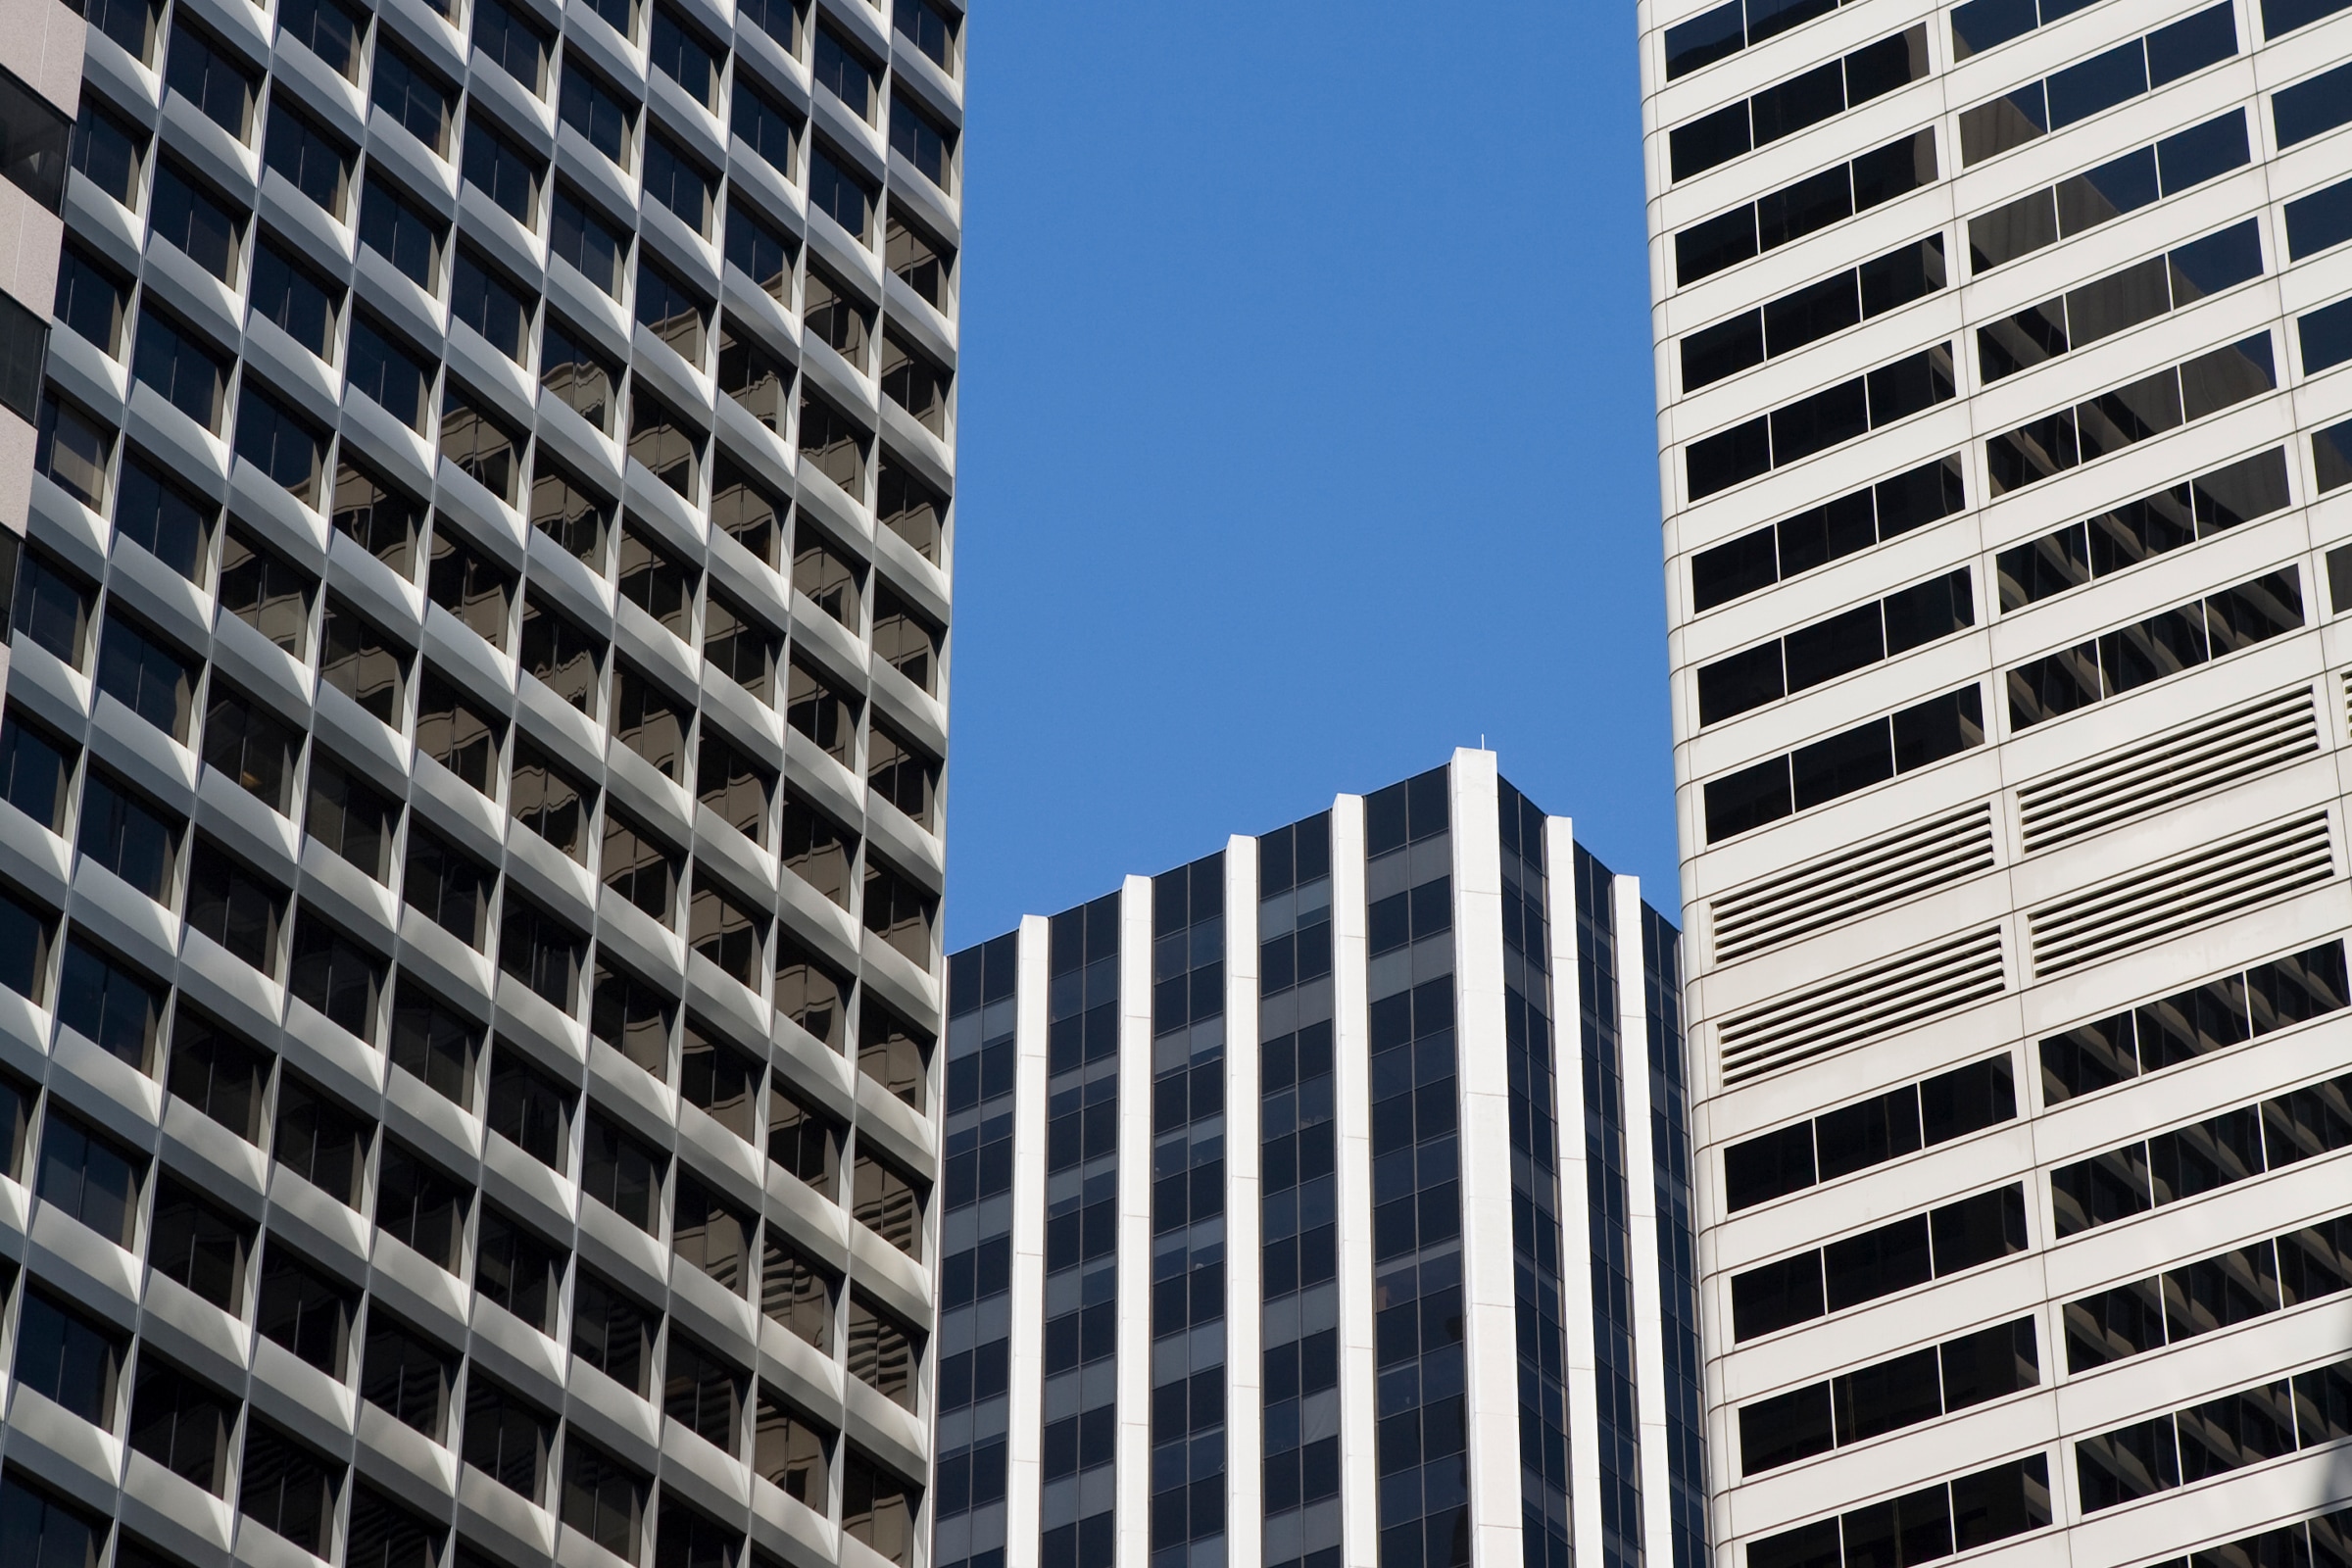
x=1853 y=883
x=2191 y=890
x=2196 y=759
x=1863 y=1006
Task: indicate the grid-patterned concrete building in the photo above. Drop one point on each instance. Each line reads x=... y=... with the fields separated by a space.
x=471 y=766
x=2006 y=465
x=40 y=82
x=1324 y=1202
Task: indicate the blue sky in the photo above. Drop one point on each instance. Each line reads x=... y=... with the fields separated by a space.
x=1305 y=430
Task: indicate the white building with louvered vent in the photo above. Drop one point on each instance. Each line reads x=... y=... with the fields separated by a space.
x=2006 y=455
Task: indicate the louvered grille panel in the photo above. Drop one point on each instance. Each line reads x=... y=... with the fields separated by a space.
x=2191 y=761
x=1867 y=1005
x=1853 y=883
x=2145 y=907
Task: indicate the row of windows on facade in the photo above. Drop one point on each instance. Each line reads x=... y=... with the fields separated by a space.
x=2239 y=617
x=2091 y=86
x=2215 y=1015
x=1815 y=537
x=1806 y=99
x=112 y=1002
x=486 y=440
x=2170 y=1167
x=1889 y=1395
x=277 y=598
x=306 y=1308
x=337 y=33
x=283 y=1484
x=2215 y=1437
x=261 y=586
x=2237 y=1145
x=1869 y=1133
x=248 y=913
x=1981 y=24
x=1921 y=1526
x=1945 y=1241
x=1813 y=312
x=2081 y=90
x=223 y=81
x=213 y=228
x=232 y=1082
x=604 y=1501
x=263 y=751
x=1782 y=216
x=2140 y=529
x=2083 y=316
x=2241 y=1285
x=1837 y=646
x=1819 y=309
x=489 y=443
x=1819 y=421
x=1841 y=764
x=2165 y=520
x=237 y=1084
x=1915 y=617
x=2181 y=638
x=182 y=365
x=106 y=1186
x=2122 y=184
x=269 y=592
x=142 y=843
x=1978 y=25
x=2175 y=1029
x=2103 y=307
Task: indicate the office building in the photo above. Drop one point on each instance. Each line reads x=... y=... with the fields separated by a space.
x=471 y=849
x=1323 y=1202
x=2006 y=470
x=40 y=82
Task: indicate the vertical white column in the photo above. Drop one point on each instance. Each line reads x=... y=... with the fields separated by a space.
x=1641 y=1223
x=1576 y=1213
x=1245 y=1288
x=1351 y=1094
x=1490 y=1309
x=1026 y=1395
x=1133 y=1526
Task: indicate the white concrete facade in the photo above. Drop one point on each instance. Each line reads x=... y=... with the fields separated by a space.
x=2093 y=778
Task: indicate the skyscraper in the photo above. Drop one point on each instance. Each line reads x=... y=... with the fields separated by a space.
x=472 y=845
x=40 y=82
x=1323 y=1200
x=2004 y=449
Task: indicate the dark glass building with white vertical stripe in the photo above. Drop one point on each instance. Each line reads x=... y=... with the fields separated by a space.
x=1331 y=1193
